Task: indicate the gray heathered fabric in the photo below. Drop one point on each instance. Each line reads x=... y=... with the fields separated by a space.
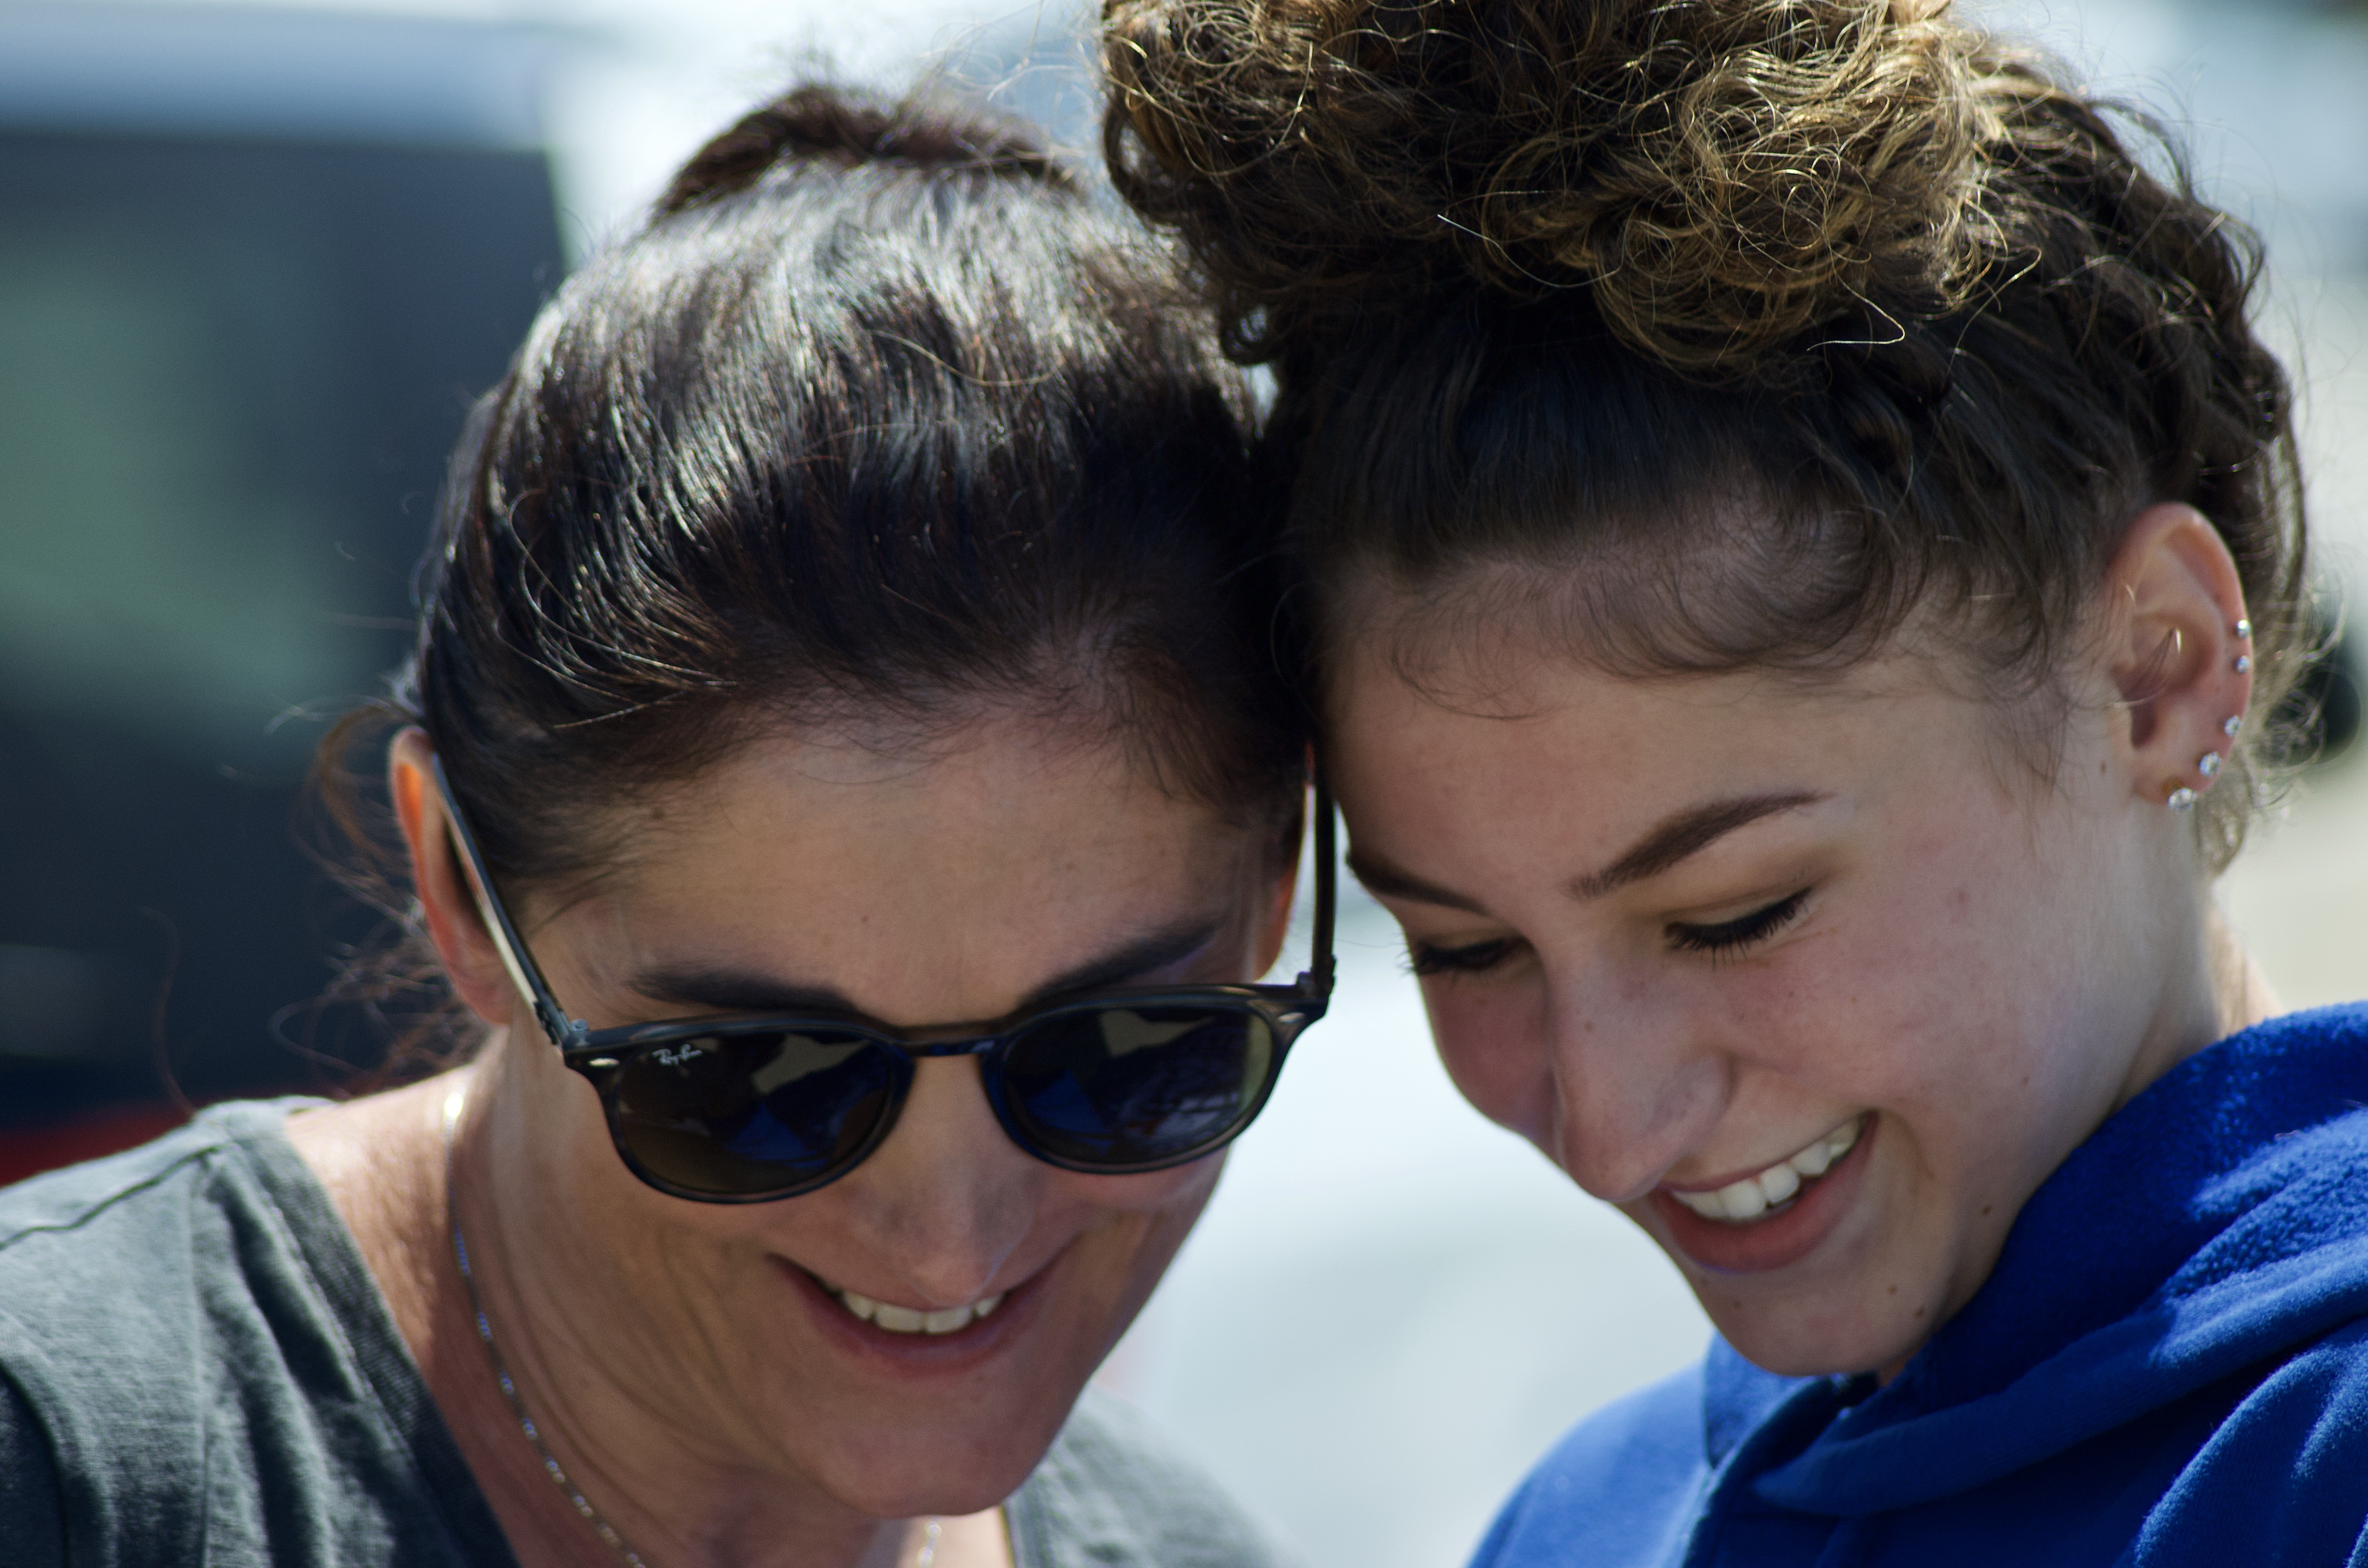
x=197 y=1369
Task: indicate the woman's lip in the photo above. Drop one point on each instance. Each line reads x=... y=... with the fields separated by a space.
x=916 y=1355
x=1782 y=1238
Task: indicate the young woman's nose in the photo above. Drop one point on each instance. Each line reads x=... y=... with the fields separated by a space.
x=944 y=1202
x=1634 y=1087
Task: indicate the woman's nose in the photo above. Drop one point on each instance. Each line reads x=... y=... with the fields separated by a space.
x=944 y=1201
x=1634 y=1088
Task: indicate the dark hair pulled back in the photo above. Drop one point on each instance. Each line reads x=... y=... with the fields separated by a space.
x=1757 y=326
x=878 y=422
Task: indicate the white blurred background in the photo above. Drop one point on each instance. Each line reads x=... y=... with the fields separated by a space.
x=1392 y=1308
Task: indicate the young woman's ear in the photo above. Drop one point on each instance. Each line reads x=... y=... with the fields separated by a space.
x=471 y=961
x=2181 y=652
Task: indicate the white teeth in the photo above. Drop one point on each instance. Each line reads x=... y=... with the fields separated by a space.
x=1741 y=1199
x=1754 y=1196
x=906 y=1320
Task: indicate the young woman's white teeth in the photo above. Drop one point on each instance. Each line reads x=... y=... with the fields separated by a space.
x=945 y=1321
x=988 y=1303
x=898 y=1320
x=1754 y=1196
x=1743 y=1199
x=861 y=1306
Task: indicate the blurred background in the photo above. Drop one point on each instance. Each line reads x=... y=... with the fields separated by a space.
x=255 y=261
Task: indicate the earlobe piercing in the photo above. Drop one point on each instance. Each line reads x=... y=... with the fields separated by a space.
x=2244 y=630
x=2181 y=799
x=2208 y=764
x=2244 y=664
x=2231 y=724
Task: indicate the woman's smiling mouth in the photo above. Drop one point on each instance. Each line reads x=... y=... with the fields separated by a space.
x=1776 y=1217
x=911 y=1320
x=1742 y=1202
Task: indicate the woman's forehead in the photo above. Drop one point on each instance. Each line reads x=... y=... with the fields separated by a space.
x=923 y=888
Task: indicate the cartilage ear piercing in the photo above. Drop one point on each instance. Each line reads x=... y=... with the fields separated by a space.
x=2208 y=764
x=2244 y=664
x=2244 y=629
x=2231 y=724
x=2181 y=799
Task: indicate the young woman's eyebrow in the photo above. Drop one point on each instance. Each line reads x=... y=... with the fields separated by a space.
x=1383 y=879
x=712 y=989
x=1685 y=832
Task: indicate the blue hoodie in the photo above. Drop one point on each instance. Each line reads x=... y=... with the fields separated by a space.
x=2169 y=1365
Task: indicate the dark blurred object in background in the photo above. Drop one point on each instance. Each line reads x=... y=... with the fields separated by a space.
x=253 y=266
x=2323 y=711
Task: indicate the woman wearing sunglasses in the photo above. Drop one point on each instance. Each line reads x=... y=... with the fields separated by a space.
x=846 y=781
x=1806 y=553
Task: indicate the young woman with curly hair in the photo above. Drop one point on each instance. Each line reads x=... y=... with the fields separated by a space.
x=1804 y=545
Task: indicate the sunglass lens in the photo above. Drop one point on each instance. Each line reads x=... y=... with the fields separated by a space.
x=1123 y=1087
x=740 y=1115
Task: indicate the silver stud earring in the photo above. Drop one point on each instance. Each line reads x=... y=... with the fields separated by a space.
x=2244 y=629
x=2181 y=799
x=2244 y=664
x=2208 y=764
x=2231 y=724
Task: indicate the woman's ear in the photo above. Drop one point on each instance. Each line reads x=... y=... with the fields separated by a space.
x=1275 y=929
x=471 y=961
x=2181 y=652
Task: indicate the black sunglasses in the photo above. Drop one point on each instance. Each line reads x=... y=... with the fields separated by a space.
x=749 y=1110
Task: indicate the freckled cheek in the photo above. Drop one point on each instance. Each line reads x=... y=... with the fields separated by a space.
x=1848 y=1018
x=1496 y=1057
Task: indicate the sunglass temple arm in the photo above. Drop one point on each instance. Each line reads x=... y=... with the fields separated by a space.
x=1318 y=977
x=564 y=1033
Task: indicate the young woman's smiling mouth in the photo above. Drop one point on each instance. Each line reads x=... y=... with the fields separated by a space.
x=1774 y=1217
x=1753 y=1198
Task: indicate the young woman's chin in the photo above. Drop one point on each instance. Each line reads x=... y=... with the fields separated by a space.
x=1831 y=1281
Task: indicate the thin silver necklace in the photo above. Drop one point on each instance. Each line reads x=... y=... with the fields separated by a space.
x=591 y=1515
x=926 y=1558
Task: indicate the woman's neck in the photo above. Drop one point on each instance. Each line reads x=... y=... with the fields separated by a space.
x=2206 y=998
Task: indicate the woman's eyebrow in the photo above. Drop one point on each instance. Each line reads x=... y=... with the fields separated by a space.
x=1685 y=832
x=714 y=989
x=1383 y=879
x=1158 y=949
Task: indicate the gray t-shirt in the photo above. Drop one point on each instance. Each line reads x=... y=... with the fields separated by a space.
x=196 y=1367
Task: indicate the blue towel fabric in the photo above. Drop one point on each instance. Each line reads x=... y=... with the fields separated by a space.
x=2169 y=1365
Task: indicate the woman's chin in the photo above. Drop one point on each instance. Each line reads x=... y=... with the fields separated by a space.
x=934 y=1424
x=1816 y=1287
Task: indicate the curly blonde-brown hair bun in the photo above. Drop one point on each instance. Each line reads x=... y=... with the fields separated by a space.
x=1741 y=330
x=1726 y=178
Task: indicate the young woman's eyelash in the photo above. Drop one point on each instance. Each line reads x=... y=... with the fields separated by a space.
x=1471 y=958
x=1733 y=935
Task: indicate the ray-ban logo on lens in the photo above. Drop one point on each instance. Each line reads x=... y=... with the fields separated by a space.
x=676 y=1055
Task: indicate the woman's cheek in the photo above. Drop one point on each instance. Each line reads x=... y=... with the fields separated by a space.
x=1184 y=1188
x=1493 y=1054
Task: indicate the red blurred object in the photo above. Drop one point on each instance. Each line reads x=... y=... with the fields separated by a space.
x=28 y=1151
